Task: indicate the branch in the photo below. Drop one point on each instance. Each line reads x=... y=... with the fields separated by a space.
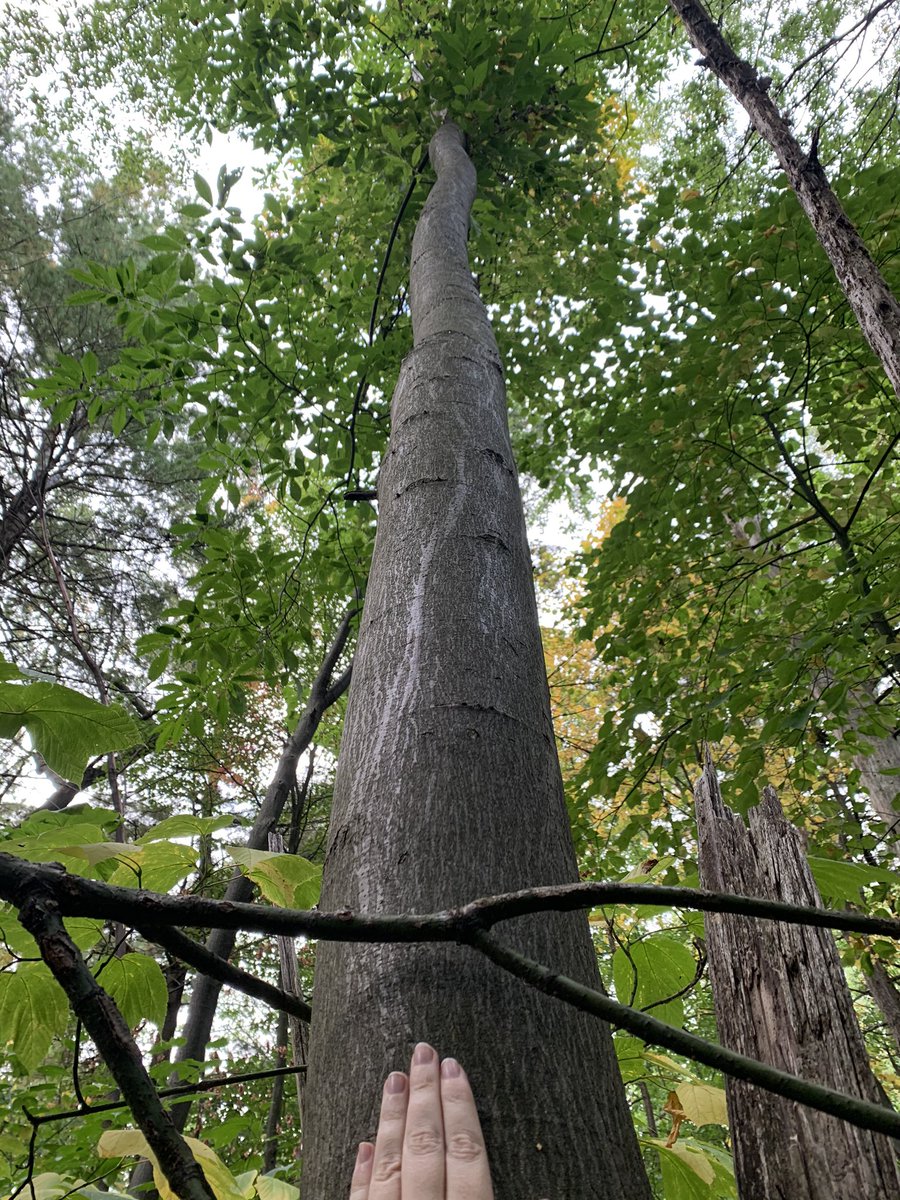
x=43 y=892
x=874 y=304
x=187 y=950
x=39 y=914
x=657 y=1033
x=183 y=1089
x=78 y=897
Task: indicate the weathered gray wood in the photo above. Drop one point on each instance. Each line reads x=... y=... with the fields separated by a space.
x=780 y=995
x=448 y=784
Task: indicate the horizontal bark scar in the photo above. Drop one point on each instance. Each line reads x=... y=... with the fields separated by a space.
x=492 y=539
x=464 y=705
x=422 y=483
x=497 y=458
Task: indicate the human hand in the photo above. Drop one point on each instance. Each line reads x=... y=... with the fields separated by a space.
x=429 y=1144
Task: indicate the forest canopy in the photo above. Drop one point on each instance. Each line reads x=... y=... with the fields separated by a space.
x=194 y=425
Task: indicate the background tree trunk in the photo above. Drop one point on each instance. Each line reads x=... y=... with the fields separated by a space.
x=448 y=784
x=780 y=995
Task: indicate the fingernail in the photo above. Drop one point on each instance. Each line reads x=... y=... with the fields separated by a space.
x=396 y=1083
x=364 y=1153
x=423 y=1054
x=450 y=1068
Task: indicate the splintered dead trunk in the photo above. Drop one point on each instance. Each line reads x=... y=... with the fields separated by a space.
x=780 y=996
x=448 y=784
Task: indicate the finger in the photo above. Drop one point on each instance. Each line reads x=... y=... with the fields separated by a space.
x=423 y=1141
x=468 y=1174
x=385 y=1182
x=362 y=1172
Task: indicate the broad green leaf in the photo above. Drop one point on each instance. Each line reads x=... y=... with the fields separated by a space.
x=66 y=728
x=185 y=826
x=630 y=1054
x=33 y=1010
x=687 y=1172
x=138 y=986
x=659 y=967
x=839 y=881
x=48 y=1185
x=156 y=867
x=286 y=879
x=15 y=936
x=268 y=1187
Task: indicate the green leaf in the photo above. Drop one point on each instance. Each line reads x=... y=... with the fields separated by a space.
x=156 y=867
x=33 y=1010
x=117 y=1143
x=662 y=966
x=66 y=728
x=268 y=1187
x=841 y=881
x=286 y=879
x=204 y=191
x=703 y=1103
x=138 y=986
x=185 y=826
x=687 y=1172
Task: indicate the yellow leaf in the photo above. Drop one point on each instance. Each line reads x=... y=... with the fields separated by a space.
x=117 y=1143
x=702 y=1103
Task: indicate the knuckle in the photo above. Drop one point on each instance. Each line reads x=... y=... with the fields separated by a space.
x=465 y=1145
x=388 y=1166
x=424 y=1141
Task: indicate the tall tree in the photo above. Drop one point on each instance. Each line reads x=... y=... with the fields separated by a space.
x=448 y=782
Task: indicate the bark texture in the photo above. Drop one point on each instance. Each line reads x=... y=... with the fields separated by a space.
x=448 y=784
x=874 y=304
x=780 y=996
x=882 y=987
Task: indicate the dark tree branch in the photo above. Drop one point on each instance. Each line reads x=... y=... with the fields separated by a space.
x=40 y=915
x=658 y=1033
x=874 y=304
x=184 y=1089
x=42 y=893
x=180 y=946
x=78 y=897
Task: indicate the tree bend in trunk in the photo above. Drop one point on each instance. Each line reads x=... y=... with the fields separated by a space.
x=448 y=784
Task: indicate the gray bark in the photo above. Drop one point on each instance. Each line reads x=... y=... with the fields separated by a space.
x=883 y=790
x=882 y=987
x=276 y=1104
x=780 y=995
x=874 y=304
x=448 y=784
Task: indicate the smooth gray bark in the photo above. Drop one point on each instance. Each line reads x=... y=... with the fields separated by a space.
x=874 y=304
x=780 y=996
x=448 y=783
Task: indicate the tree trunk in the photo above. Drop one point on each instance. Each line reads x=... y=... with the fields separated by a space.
x=276 y=1104
x=883 y=989
x=780 y=995
x=448 y=784
x=868 y=294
